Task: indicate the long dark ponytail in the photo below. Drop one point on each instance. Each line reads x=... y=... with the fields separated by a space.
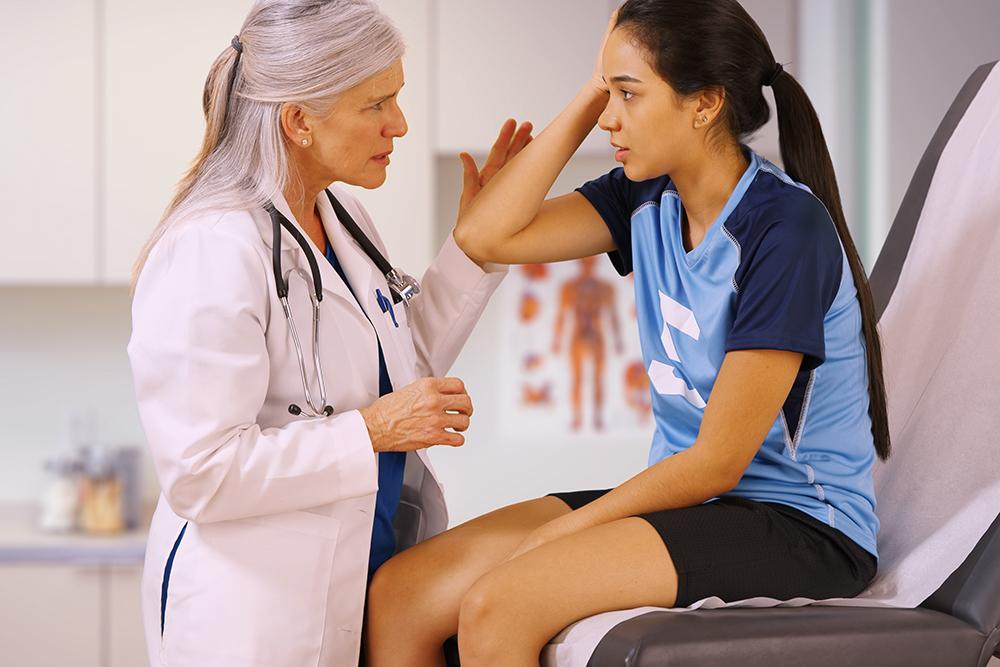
x=700 y=44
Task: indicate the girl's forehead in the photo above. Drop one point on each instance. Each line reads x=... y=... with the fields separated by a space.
x=623 y=56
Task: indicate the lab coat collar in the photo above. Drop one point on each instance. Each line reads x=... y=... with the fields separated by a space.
x=360 y=277
x=365 y=277
x=360 y=269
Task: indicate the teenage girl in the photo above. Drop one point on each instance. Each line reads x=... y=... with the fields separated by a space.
x=757 y=331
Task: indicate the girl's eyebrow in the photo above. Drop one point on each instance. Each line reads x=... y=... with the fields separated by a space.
x=624 y=78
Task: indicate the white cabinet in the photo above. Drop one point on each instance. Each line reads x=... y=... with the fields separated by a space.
x=47 y=147
x=157 y=57
x=126 y=641
x=521 y=59
x=68 y=614
x=102 y=110
x=51 y=615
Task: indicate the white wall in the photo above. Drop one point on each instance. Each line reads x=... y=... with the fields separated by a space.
x=931 y=48
x=62 y=355
x=919 y=53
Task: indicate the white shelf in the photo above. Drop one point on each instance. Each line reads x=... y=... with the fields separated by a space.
x=21 y=541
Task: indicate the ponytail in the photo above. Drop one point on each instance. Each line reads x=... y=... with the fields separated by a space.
x=807 y=160
x=217 y=96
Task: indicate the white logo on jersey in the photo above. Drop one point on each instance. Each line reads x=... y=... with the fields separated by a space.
x=664 y=377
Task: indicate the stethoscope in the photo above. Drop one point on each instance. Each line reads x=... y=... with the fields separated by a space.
x=402 y=286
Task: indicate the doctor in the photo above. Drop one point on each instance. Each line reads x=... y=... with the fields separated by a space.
x=289 y=435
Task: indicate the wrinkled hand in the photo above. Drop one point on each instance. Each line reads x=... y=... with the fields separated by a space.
x=419 y=415
x=509 y=143
x=598 y=77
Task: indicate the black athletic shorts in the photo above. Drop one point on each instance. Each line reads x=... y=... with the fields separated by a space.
x=734 y=548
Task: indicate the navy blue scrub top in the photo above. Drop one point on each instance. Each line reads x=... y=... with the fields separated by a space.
x=390 y=464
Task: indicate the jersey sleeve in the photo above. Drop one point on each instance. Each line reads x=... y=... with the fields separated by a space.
x=611 y=195
x=786 y=282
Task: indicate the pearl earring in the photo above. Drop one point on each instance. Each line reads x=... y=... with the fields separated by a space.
x=704 y=119
x=305 y=142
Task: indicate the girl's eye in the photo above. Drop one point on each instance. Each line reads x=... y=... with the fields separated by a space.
x=627 y=95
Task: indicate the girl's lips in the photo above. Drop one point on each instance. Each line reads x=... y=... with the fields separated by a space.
x=620 y=154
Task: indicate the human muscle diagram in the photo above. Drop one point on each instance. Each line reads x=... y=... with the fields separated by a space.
x=575 y=366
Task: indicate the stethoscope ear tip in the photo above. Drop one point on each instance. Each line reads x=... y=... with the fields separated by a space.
x=295 y=410
x=328 y=410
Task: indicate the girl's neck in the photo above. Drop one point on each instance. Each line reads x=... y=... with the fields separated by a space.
x=706 y=185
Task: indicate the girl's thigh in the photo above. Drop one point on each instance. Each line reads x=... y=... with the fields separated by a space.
x=520 y=605
x=435 y=574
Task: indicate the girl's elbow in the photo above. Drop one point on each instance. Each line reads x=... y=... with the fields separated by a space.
x=722 y=476
x=463 y=238
x=473 y=245
x=729 y=475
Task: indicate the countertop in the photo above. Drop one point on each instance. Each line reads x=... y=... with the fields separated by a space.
x=21 y=541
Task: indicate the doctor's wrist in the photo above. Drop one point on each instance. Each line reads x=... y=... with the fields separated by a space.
x=375 y=423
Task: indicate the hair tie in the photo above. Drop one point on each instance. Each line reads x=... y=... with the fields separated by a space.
x=778 y=69
x=238 y=47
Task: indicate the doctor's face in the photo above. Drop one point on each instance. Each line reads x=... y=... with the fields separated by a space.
x=352 y=144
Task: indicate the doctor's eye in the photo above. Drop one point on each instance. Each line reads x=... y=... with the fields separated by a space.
x=378 y=107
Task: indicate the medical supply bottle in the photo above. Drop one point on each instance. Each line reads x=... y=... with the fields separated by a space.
x=100 y=494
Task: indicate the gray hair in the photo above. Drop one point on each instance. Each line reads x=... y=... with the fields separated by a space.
x=305 y=52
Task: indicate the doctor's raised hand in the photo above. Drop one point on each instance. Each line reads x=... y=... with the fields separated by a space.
x=290 y=378
x=509 y=142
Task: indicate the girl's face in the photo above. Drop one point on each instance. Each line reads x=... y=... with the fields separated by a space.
x=651 y=126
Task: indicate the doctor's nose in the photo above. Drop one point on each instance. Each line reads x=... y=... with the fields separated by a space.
x=397 y=127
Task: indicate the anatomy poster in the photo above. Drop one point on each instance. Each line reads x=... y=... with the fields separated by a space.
x=575 y=365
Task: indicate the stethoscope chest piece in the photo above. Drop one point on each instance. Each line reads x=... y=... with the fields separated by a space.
x=403 y=287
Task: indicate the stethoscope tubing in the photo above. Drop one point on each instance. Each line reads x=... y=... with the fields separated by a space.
x=402 y=288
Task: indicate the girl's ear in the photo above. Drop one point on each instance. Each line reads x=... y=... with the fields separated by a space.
x=707 y=105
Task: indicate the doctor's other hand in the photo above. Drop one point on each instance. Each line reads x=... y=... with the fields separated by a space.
x=419 y=415
x=509 y=143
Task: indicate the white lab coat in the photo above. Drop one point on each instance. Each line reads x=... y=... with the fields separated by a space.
x=278 y=509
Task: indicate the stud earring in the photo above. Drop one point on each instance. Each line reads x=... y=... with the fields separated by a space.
x=305 y=142
x=704 y=119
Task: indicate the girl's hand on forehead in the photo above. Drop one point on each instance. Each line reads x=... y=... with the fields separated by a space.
x=598 y=76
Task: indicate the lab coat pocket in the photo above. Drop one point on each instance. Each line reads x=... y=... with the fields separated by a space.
x=250 y=591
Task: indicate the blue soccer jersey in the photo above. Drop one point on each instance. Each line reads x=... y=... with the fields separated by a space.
x=770 y=273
